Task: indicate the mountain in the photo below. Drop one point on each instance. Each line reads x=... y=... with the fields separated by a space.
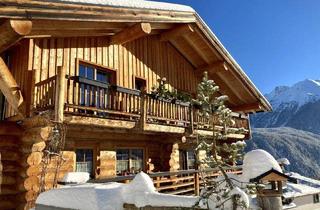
x=297 y=106
x=301 y=148
x=292 y=129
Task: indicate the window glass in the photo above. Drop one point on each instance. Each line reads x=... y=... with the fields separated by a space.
x=90 y=72
x=190 y=159
x=84 y=160
x=129 y=161
x=82 y=70
x=140 y=84
x=103 y=77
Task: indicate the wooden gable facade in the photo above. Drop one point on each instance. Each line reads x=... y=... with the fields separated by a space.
x=92 y=68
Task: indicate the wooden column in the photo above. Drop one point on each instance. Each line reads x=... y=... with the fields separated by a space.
x=10 y=89
x=60 y=94
x=196 y=184
x=143 y=110
x=11 y=31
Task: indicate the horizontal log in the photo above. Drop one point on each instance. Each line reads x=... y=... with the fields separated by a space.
x=37 y=134
x=8 y=180
x=29 y=183
x=8 y=190
x=10 y=156
x=27 y=196
x=177 y=32
x=8 y=140
x=7 y=204
x=10 y=166
x=28 y=147
x=34 y=158
x=10 y=128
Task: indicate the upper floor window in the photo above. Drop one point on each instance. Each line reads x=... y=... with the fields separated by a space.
x=97 y=72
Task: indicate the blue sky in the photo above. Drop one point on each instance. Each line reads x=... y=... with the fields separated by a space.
x=277 y=42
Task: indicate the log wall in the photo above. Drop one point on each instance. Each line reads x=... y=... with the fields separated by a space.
x=9 y=164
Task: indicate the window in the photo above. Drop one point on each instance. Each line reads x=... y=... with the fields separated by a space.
x=316 y=198
x=140 y=83
x=89 y=95
x=187 y=159
x=129 y=161
x=84 y=161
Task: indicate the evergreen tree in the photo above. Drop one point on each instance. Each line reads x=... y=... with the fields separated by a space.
x=218 y=193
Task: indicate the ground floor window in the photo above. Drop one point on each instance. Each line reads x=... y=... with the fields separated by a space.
x=316 y=198
x=187 y=159
x=84 y=160
x=129 y=161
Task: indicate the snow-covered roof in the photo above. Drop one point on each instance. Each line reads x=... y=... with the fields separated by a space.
x=297 y=190
x=256 y=163
x=137 y=4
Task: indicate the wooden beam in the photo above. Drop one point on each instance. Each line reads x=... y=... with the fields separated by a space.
x=247 y=107
x=10 y=89
x=60 y=94
x=132 y=33
x=176 y=32
x=214 y=67
x=11 y=31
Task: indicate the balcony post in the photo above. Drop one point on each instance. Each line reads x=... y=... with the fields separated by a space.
x=59 y=94
x=191 y=126
x=196 y=183
x=143 y=110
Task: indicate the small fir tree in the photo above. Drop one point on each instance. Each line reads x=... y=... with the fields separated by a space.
x=219 y=154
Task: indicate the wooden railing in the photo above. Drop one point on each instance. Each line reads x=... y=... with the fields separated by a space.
x=96 y=98
x=93 y=98
x=166 y=112
x=183 y=182
x=44 y=97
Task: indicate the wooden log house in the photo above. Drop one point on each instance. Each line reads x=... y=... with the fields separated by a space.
x=88 y=64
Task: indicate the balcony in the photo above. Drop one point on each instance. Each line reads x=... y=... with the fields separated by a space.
x=84 y=97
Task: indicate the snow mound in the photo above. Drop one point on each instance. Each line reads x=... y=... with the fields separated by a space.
x=257 y=162
x=112 y=196
x=76 y=177
x=283 y=161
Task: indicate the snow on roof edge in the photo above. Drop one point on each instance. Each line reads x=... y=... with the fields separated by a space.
x=134 y=4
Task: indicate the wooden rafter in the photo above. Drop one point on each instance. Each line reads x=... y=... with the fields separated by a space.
x=214 y=67
x=247 y=107
x=10 y=89
x=11 y=31
x=132 y=33
x=176 y=32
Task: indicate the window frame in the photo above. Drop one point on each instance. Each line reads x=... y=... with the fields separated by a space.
x=141 y=79
x=133 y=148
x=97 y=67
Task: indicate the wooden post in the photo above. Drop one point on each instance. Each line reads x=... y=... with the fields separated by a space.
x=191 y=127
x=196 y=184
x=143 y=110
x=10 y=89
x=59 y=94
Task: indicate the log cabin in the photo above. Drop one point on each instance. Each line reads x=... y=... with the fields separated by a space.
x=91 y=65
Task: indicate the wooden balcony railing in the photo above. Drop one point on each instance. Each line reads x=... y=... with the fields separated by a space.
x=183 y=182
x=93 y=98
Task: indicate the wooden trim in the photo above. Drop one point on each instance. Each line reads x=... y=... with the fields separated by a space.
x=214 y=67
x=60 y=94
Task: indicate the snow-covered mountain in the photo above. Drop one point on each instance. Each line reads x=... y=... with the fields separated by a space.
x=292 y=129
x=297 y=95
x=297 y=106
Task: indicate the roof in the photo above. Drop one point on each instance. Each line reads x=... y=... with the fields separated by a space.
x=258 y=178
x=138 y=4
x=201 y=48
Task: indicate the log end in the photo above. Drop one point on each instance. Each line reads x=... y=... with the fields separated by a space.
x=21 y=27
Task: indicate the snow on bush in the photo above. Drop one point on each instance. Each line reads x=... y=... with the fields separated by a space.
x=257 y=162
x=76 y=177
